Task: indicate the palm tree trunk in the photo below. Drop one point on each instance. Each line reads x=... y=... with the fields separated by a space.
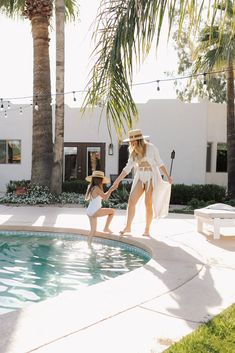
x=42 y=118
x=231 y=131
x=57 y=170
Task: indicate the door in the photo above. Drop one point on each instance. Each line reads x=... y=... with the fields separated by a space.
x=80 y=159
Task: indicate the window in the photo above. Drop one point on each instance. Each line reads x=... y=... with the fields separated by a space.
x=10 y=151
x=93 y=159
x=221 y=161
x=123 y=158
x=208 y=157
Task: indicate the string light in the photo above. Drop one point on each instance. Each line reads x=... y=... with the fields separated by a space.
x=158 y=86
x=36 y=104
x=204 y=79
x=5 y=114
x=38 y=98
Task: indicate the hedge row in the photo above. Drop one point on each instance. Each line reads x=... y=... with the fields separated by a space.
x=181 y=194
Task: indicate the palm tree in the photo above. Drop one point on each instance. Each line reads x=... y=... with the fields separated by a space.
x=216 y=50
x=125 y=32
x=57 y=169
x=39 y=12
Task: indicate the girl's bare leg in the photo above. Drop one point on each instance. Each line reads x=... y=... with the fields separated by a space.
x=149 y=209
x=133 y=199
x=106 y=212
x=93 y=224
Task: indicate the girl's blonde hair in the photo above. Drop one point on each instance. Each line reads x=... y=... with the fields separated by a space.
x=138 y=151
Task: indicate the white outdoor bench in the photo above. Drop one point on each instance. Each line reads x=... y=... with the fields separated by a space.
x=218 y=215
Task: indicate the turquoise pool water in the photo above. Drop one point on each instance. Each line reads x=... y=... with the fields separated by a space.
x=35 y=266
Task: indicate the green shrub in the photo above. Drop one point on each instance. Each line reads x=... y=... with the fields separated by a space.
x=182 y=194
x=120 y=195
x=13 y=184
x=78 y=186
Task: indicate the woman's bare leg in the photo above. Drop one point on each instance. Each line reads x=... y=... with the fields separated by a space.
x=133 y=199
x=149 y=209
x=106 y=212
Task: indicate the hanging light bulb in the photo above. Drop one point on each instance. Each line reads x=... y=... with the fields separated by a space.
x=74 y=97
x=21 y=112
x=8 y=105
x=36 y=103
x=158 y=86
x=2 y=106
x=204 y=79
x=5 y=114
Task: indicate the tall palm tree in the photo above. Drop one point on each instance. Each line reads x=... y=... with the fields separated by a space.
x=57 y=169
x=124 y=33
x=216 y=50
x=39 y=12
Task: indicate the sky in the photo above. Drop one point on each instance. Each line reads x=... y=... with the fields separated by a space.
x=16 y=60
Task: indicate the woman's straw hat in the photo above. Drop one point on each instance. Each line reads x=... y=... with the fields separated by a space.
x=98 y=174
x=134 y=135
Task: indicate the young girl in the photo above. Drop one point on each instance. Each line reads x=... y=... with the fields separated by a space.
x=95 y=195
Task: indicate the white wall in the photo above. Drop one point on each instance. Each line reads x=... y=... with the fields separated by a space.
x=18 y=127
x=89 y=128
x=216 y=133
x=171 y=124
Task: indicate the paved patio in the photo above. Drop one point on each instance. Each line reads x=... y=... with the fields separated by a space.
x=189 y=279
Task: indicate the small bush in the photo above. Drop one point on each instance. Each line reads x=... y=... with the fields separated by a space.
x=120 y=195
x=77 y=186
x=13 y=184
x=182 y=194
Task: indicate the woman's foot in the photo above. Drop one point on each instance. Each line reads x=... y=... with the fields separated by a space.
x=124 y=231
x=146 y=235
x=107 y=230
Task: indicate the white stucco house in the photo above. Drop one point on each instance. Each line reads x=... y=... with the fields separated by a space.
x=195 y=131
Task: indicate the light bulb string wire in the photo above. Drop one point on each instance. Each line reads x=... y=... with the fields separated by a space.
x=37 y=98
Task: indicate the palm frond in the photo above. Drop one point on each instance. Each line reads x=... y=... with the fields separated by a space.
x=124 y=33
x=71 y=10
x=12 y=8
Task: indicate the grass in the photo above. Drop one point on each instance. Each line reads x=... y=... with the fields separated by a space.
x=215 y=336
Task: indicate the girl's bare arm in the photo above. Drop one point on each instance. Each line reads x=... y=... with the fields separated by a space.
x=105 y=195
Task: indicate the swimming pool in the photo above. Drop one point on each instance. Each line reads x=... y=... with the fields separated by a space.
x=38 y=265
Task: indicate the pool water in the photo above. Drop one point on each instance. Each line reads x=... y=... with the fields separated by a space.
x=35 y=266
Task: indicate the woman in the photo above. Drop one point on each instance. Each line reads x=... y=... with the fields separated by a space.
x=95 y=195
x=144 y=156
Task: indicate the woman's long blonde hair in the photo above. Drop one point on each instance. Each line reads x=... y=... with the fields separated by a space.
x=138 y=151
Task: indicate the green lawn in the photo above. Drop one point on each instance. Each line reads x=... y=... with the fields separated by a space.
x=216 y=336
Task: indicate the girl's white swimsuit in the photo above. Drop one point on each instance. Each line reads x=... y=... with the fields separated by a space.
x=94 y=205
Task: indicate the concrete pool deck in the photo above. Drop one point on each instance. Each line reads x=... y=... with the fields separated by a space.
x=189 y=279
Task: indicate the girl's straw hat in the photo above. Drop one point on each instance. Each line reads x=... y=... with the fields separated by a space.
x=135 y=135
x=98 y=174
